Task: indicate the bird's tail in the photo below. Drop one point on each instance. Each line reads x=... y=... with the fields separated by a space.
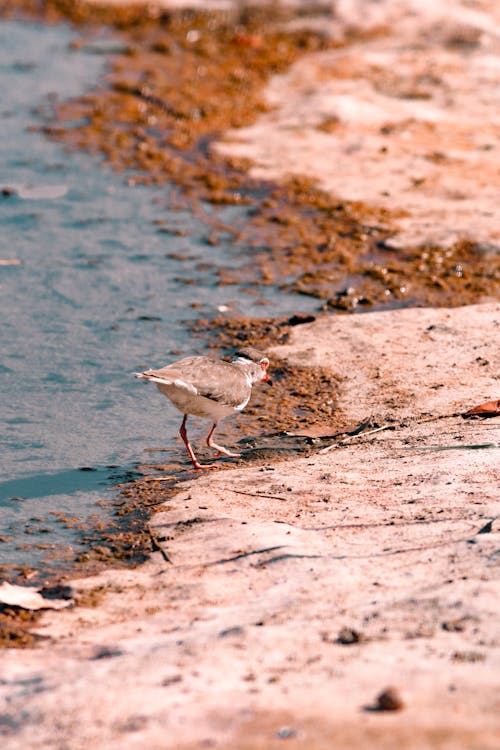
x=153 y=377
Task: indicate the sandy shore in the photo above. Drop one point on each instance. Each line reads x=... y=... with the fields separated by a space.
x=290 y=594
x=404 y=118
x=285 y=596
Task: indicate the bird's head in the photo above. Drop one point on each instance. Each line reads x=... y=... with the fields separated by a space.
x=264 y=364
x=252 y=355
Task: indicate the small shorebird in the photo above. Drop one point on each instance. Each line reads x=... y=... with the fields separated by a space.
x=210 y=388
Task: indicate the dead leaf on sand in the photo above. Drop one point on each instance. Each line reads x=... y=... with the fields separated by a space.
x=28 y=598
x=488 y=409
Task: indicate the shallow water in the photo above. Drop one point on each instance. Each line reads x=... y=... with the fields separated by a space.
x=88 y=295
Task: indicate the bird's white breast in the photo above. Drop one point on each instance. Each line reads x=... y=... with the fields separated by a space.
x=188 y=401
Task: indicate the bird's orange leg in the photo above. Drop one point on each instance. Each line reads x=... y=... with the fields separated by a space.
x=219 y=448
x=183 y=434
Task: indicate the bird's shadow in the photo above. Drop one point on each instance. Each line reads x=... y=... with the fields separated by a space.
x=253 y=450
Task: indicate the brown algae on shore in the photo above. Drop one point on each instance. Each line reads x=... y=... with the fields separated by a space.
x=177 y=80
x=15 y=627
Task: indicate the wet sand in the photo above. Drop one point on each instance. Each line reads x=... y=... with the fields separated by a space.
x=285 y=594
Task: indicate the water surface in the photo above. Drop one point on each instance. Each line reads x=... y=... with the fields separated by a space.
x=92 y=288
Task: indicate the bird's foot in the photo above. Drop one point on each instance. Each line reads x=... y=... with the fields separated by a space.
x=220 y=451
x=197 y=465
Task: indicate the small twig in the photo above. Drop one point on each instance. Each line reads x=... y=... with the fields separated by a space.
x=390 y=524
x=368 y=556
x=459 y=446
x=257 y=494
x=361 y=432
x=243 y=555
x=156 y=546
x=287 y=556
x=156 y=479
x=342 y=442
x=360 y=428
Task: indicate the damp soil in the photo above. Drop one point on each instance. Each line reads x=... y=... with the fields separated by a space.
x=175 y=81
x=122 y=541
x=276 y=425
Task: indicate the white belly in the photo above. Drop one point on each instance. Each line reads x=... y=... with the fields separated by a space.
x=199 y=406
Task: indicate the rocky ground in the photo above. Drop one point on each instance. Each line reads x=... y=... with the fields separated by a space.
x=347 y=597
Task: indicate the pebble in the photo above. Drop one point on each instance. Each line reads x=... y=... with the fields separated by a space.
x=389 y=699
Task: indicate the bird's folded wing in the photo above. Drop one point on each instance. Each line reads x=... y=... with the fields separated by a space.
x=170 y=379
x=225 y=385
x=217 y=381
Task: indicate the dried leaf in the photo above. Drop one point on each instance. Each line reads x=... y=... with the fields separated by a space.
x=488 y=409
x=29 y=598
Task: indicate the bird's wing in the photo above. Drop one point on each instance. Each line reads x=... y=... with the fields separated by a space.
x=214 y=379
x=172 y=380
x=171 y=375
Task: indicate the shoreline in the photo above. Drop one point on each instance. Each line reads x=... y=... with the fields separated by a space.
x=283 y=597
x=288 y=595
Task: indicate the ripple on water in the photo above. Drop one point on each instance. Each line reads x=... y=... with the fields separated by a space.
x=101 y=290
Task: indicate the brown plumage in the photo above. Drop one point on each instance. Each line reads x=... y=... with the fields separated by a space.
x=210 y=388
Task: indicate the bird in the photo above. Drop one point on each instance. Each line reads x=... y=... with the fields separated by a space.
x=210 y=388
